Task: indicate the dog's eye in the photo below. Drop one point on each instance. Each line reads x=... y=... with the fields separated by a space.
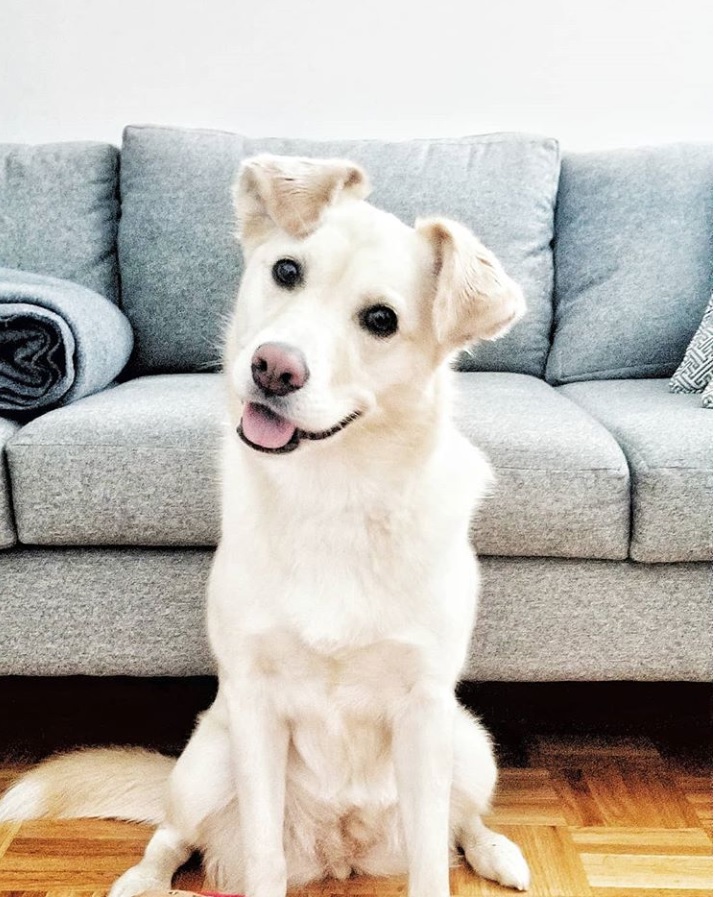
x=287 y=273
x=380 y=320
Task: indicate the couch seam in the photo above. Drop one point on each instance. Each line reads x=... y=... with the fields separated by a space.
x=619 y=472
x=597 y=375
x=133 y=447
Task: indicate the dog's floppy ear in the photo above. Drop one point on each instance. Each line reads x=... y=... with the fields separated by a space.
x=291 y=193
x=474 y=298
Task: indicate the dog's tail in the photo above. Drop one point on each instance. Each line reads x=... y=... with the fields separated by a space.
x=107 y=783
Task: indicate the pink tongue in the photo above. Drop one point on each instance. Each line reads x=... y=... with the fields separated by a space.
x=262 y=427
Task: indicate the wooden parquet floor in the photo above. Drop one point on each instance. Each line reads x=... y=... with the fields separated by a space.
x=610 y=817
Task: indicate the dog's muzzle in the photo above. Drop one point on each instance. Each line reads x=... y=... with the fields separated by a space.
x=265 y=431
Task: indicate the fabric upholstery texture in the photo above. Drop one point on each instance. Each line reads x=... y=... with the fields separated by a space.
x=667 y=439
x=562 y=484
x=140 y=612
x=59 y=341
x=633 y=256
x=59 y=212
x=551 y=620
x=708 y=395
x=136 y=464
x=7 y=523
x=180 y=262
x=695 y=371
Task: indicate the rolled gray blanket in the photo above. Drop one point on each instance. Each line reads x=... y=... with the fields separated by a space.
x=59 y=341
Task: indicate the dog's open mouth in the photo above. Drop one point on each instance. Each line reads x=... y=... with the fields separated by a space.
x=264 y=430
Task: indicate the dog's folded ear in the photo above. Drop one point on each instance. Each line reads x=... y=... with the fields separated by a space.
x=291 y=193
x=474 y=298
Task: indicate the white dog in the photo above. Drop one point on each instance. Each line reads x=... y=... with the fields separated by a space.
x=344 y=588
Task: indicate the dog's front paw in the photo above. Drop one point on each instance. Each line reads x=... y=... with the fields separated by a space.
x=499 y=859
x=135 y=882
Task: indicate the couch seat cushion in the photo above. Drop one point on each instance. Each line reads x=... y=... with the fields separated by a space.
x=138 y=465
x=667 y=439
x=133 y=465
x=181 y=264
x=562 y=486
x=7 y=523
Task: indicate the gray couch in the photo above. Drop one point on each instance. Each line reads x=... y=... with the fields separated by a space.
x=597 y=540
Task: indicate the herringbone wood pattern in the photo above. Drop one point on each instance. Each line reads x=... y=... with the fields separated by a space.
x=611 y=817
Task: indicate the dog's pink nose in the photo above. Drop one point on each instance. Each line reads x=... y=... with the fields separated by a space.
x=278 y=369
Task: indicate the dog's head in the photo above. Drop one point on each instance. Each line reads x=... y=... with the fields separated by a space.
x=345 y=315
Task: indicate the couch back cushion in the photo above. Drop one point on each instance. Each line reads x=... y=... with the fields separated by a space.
x=180 y=263
x=633 y=255
x=59 y=210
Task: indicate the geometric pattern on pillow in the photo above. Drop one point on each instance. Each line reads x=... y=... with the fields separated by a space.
x=696 y=368
x=708 y=395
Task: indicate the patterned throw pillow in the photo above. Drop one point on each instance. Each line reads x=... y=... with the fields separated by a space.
x=708 y=395
x=696 y=369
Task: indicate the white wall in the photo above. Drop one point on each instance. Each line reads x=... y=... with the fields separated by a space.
x=594 y=73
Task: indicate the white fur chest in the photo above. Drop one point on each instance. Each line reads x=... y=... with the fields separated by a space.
x=343 y=564
x=343 y=585
x=338 y=706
